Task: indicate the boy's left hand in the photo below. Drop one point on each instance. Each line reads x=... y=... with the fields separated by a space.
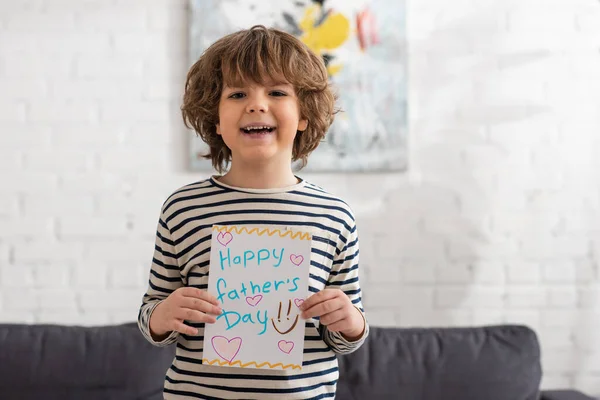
x=336 y=311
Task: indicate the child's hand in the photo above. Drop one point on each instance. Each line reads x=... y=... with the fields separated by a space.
x=336 y=312
x=186 y=303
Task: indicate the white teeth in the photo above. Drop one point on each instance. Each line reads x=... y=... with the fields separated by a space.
x=249 y=128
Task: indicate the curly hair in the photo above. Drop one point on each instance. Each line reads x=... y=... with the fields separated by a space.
x=256 y=55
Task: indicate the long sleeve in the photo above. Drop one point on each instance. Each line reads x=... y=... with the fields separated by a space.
x=344 y=276
x=163 y=280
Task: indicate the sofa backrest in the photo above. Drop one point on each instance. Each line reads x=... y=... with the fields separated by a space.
x=483 y=363
x=59 y=362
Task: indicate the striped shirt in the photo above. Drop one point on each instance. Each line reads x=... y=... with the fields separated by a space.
x=182 y=258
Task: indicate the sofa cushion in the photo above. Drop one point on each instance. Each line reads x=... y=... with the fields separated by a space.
x=491 y=363
x=69 y=362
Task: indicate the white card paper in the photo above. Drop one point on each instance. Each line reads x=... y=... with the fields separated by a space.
x=260 y=277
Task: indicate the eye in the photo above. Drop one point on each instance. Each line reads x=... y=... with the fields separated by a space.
x=278 y=93
x=236 y=95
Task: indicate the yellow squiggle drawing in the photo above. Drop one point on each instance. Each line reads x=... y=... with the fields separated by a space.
x=259 y=232
x=246 y=365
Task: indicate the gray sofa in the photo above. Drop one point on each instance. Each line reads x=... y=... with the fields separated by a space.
x=116 y=363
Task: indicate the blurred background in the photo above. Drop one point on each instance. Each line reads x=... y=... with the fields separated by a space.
x=496 y=218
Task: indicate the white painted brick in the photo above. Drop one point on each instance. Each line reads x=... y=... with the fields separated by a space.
x=16 y=276
x=65 y=160
x=121 y=251
x=123 y=317
x=95 y=227
x=63 y=317
x=99 y=87
x=86 y=136
x=426 y=247
x=530 y=318
x=58 y=204
x=488 y=272
x=487 y=317
x=559 y=272
x=523 y=272
x=526 y=297
x=110 y=300
x=19 y=136
x=90 y=275
x=12 y=111
x=19 y=300
x=481 y=248
x=526 y=222
x=391 y=295
x=125 y=67
x=557 y=338
x=58 y=299
x=23 y=88
x=589 y=297
x=110 y=19
x=556 y=380
x=544 y=246
x=147 y=111
x=383 y=318
x=454 y=273
x=558 y=318
x=144 y=227
x=92 y=182
x=27 y=227
x=28 y=182
x=53 y=276
x=9 y=206
x=470 y=297
x=10 y=161
x=46 y=251
x=443 y=318
x=418 y=272
x=562 y=297
x=5 y=253
x=33 y=65
x=10 y=317
x=27 y=21
x=67 y=43
x=128 y=276
x=56 y=111
x=140 y=134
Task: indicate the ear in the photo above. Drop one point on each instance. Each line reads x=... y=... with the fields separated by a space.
x=218 y=127
x=302 y=125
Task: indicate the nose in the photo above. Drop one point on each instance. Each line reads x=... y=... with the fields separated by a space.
x=257 y=103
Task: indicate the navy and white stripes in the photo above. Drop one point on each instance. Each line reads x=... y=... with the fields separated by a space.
x=182 y=256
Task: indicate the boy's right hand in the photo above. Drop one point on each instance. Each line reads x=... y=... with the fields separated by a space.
x=185 y=303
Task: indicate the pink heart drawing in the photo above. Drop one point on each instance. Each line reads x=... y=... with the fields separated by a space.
x=285 y=346
x=227 y=349
x=296 y=260
x=253 y=301
x=298 y=302
x=224 y=238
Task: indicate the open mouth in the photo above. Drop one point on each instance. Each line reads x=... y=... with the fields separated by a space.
x=258 y=130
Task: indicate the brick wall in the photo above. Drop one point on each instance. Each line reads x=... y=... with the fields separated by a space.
x=497 y=220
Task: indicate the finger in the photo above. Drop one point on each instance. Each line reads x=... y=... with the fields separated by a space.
x=319 y=297
x=199 y=294
x=180 y=327
x=201 y=305
x=333 y=317
x=323 y=308
x=194 y=316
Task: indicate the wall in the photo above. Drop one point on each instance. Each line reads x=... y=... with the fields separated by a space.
x=496 y=221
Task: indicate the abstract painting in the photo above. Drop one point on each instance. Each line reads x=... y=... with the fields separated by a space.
x=363 y=45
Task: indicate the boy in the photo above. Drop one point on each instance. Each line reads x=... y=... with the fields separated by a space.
x=260 y=99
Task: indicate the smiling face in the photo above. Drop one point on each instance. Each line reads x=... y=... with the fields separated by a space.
x=259 y=122
x=281 y=326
